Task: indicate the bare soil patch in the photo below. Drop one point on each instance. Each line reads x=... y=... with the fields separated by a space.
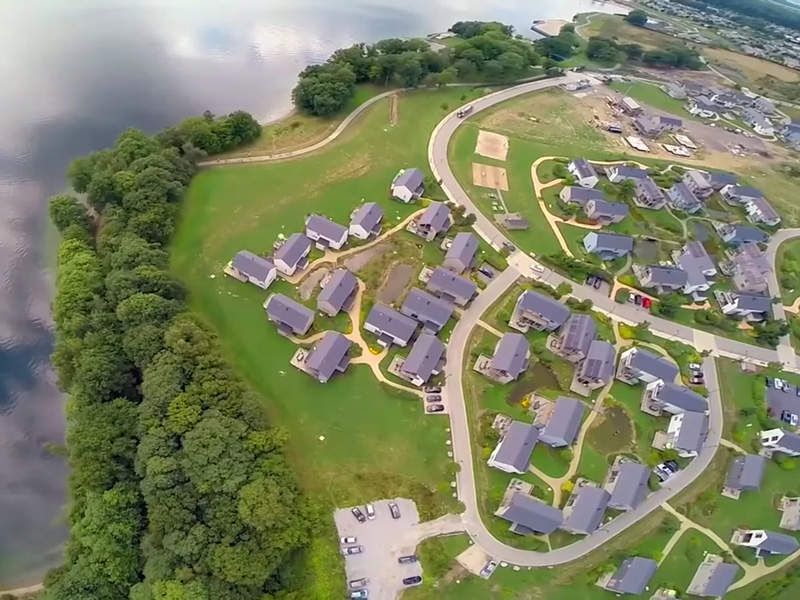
x=395 y=282
x=310 y=283
x=359 y=260
x=489 y=177
x=393 y=109
x=492 y=145
x=751 y=67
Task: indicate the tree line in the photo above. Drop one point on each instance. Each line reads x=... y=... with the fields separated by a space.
x=607 y=50
x=179 y=487
x=482 y=52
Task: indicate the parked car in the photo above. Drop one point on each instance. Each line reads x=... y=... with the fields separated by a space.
x=666 y=470
x=590 y=280
x=632 y=298
x=509 y=246
x=537 y=268
x=597 y=283
x=638 y=299
x=348 y=540
x=488 y=569
x=798 y=390
x=352 y=550
x=415 y=580
x=434 y=398
x=394 y=509
x=646 y=303
x=358 y=514
x=432 y=408
x=432 y=389
x=370 y=512
x=696 y=381
x=695 y=367
x=359 y=583
x=770 y=382
x=407 y=560
x=789 y=417
x=359 y=595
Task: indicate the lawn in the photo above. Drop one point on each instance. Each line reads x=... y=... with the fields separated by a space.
x=737 y=394
x=574 y=237
x=613 y=26
x=679 y=566
x=630 y=398
x=788 y=260
x=759 y=75
x=653 y=96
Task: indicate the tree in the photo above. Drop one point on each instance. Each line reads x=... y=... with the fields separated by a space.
x=637 y=17
x=562 y=289
x=446 y=77
x=770 y=332
x=668 y=304
x=632 y=51
x=602 y=49
x=324 y=89
x=66 y=211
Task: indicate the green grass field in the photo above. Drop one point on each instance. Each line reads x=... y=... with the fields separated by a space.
x=653 y=96
x=679 y=566
x=630 y=398
x=788 y=260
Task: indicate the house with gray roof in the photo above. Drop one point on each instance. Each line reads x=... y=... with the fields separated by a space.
x=698 y=182
x=749 y=269
x=584 y=173
x=761 y=124
x=408 y=185
x=510 y=359
x=669 y=123
x=720 y=180
x=703 y=106
x=672 y=398
x=759 y=210
x=737 y=194
x=605 y=213
x=765 y=105
x=338 y=293
x=573 y=194
x=765 y=542
x=713 y=577
x=637 y=365
x=425 y=359
x=647 y=126
x=687 y=433
x=542 y=313
x=564 y=422
x=676 y=90
x=453 y=288
x=365 y=221
x=291 y=317
x=648 y=195
x=462 y=253
x=608 y=246
x=698 y=253
x=528 y=515
x=681 y=197
x=328 y=356
x=632 y=576
x=780 y=440
x=746 y=473
x=390 y=326
x=575 y=337
x=697 y=284
x=620 y=173
x=792 y=139
x=292 y=254
x=597 y=369
x=584 y=510
x=753 y=307
x=433 y=221
x=736 y=235
x=254 y=269
x=628 y=485
x=429 y=310
x=513 y=452
x=325 y=233
x=661 y=278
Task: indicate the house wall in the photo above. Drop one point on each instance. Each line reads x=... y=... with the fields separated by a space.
x=402 y=193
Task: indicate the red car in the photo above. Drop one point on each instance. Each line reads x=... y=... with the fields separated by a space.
x=646 y=302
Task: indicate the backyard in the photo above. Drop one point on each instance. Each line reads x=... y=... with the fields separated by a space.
x=788 y=262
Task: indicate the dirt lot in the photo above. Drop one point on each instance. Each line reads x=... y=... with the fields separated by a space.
x=489 y=177
x=751 y=67
x=395 y=283
x=492 y=145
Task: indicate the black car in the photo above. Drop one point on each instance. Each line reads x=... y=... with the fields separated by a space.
x=406 y=560
x=637 y=299
x=358 y=514
x=434 y=398
x=486 y=272
x=432 y=408
x=590 y=280
x=432 y=389
x=394 y=509
x=597 y=283
x=415 y=580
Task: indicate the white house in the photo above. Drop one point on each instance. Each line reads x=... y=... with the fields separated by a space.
x=686 y=433
x=365 y=221
x=252 y=268
x=584 y=173
x=325 y=233
x=778 y=440
x=513 y=452
x=408 y=185
x=293 y=254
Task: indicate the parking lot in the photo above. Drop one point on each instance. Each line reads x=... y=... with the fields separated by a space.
x=384 y=540
x=442 y=400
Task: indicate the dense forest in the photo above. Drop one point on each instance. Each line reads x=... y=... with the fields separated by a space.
x=179 y=488
x=755 y=13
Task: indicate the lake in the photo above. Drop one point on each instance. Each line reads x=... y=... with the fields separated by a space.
x=75 y=75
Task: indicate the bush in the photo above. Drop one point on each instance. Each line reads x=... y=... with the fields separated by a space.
x=784 y=462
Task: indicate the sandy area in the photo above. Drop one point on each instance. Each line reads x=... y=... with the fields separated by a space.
x=492 y=145
x=489 y=177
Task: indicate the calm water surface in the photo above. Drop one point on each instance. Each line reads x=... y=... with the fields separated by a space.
x=74 y=75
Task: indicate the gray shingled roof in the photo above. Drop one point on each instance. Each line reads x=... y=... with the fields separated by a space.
x=720 y=579
x=649 y=188
x=610 y=209
x=548 y=307
x=790 y=441
x=682 y=397
x=754 y=302
x=584 y=168
x=284 y=310
x=329 y=353
x=670 y=120
x=389 y=320
x=531 y=514
x=583 y=195
x=694 y=272
x=667 y=275
x=340 y=286
x=699 y=178
x=517 y=445
x=368 y=215
x=565 y=420
x=692 y=434
x=612 y=241
x=252 y=265
x=778 y=543
x=722 y=179
x=746 y=233
x=633 y=575
x=765 y=208
x=435 y=216
x=325 y=228
x=627 y=172
x=746 y=472
x=511 y=354
x=651 y=364
x=410 y=178
x=647 y=125
x=293 y=249
x=463 y=248
x=426 y=308
x=698 y=252
x=599 y=362
x=587 y=512
x=425 y=356
x=631 y=486
x=741 y=191
x=452 y=284
x=683 y=197
x=578 y=333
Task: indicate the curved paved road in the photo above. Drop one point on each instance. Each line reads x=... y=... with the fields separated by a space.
x=520 y=264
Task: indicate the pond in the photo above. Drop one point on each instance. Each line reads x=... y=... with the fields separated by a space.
x=614 y=434
x=537 y=377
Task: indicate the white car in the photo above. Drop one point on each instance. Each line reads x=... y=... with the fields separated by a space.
x=348 y=540
x=370 y=512
x=537 y=268
x=695 y=367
